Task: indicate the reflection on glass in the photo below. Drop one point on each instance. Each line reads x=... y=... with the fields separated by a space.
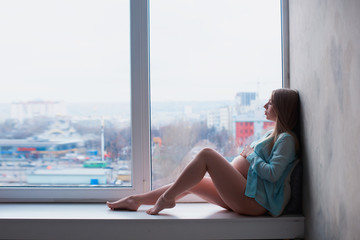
x=213 y=66
x=65 y=107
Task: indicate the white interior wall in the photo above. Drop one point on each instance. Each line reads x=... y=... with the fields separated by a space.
x=325 y=68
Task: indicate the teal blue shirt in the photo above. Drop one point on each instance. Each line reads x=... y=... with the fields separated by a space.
x=268 y=171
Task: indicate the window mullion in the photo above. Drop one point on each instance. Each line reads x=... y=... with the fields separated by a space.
x=140 y=94
x=285 y=42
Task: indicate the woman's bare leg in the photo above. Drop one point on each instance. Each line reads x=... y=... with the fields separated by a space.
x=133 y=202
x=228 y=181
x=204 y=189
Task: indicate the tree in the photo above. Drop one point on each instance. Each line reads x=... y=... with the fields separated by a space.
x=118 y=142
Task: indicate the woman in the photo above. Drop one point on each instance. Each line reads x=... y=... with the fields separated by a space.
x=252 y=184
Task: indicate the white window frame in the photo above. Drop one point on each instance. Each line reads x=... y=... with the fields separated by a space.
x=140 y=125
x=140 y=120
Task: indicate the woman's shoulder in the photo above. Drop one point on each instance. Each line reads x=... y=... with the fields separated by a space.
x=286 y=136
x=268 y=133
x=287 y=140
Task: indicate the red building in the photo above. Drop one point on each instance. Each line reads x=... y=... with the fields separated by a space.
x=268 y=125
x=246 y=129
x=243 y=131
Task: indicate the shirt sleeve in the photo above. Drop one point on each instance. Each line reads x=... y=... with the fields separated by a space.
x=283 y=154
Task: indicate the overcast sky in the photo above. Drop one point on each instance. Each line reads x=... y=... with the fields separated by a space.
x=78 y=51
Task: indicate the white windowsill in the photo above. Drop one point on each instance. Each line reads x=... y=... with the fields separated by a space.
x=96 y=221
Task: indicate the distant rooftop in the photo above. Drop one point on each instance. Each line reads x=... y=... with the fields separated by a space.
x=71 y=171
x=34 y=143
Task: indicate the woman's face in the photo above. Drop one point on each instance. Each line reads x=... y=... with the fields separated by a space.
x=269 y=111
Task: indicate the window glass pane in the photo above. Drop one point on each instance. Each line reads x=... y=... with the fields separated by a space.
x=65 y=97
x=213 y=67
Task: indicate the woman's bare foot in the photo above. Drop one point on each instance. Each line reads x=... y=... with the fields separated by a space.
x=161 y=204
x=128 y=203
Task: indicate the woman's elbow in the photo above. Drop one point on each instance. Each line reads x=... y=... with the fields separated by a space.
x=273 y=177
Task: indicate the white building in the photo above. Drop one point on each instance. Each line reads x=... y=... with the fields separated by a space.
x=220 y=118
x=31 y=109
x=245 y=101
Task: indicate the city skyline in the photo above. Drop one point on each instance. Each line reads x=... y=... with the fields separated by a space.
x=67 y=147
x=114 y=109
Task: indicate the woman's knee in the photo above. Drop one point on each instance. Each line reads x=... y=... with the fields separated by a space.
x=207 y=152
x=210 y=157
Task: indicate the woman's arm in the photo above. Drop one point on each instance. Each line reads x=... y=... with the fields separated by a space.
x=283 y=154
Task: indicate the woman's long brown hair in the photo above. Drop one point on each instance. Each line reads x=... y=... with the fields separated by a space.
x=286 y=105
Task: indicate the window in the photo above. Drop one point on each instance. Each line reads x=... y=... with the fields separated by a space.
x=191 y=41
x=66 y=125
x=67 y=129
x=213 y=66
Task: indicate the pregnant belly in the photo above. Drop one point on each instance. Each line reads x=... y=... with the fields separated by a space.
x=241 y=164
